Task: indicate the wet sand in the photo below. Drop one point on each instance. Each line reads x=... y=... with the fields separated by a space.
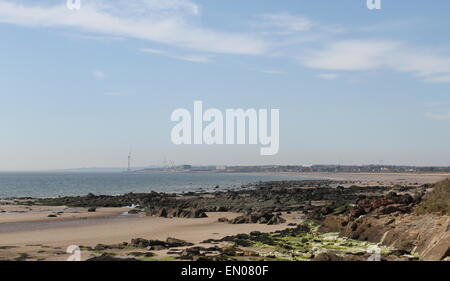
x=47 y=238
x=388 y=179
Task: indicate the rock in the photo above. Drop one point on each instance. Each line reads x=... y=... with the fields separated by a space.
x=133 y=212
x=258 y=217
x=162 y=213
x=190 y=253
x=174 y=252
x=248 y=254
x=239 y=220
x=229 y=251
x=199 y=213
x=92 y=209
x=173 y=242
x=181 y=213
x=143 y=243
x=141 y=254
x=100 y=247
x=139 y=243
x=108 y=257
x=156 y=248
x=156 y=245
x=52 y=216
x=222 y=220
x=328 y=256
x=276 y=220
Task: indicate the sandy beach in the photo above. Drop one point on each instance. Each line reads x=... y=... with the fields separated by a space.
x=47 y=238
x=36 y=232
x=373 y=179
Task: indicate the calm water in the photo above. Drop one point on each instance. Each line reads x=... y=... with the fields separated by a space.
x=62 y=184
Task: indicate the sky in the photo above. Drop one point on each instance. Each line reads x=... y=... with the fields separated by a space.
x=83 y=88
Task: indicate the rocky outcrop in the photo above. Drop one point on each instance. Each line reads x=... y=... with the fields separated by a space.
x=425 y=235
x=391 y=203
x=258 y=217
x=158 y=244
x=179 y=213
x=391 y=221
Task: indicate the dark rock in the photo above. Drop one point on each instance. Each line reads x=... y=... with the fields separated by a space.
x=156 y=248
x=328 y=256
x=222 y=220
x=162 y=213
x=141 y=254
x=107 y=257
x=276 y=220
x=173 y=242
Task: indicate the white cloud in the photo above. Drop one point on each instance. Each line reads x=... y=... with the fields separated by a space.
x=285 y=23
x=143 y=6
x=153 y=51
x=350 y=55
x=357 y=55
x=194 y=58
x=98 y=74
x=189 y=57
x=436 y=116
x=436 y=104
x=172 y=28
x=328 y=76
x=438 y=79
x=272 y=71
x=175 y=23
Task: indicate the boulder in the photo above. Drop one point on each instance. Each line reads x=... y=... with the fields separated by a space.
x=173 y=242
x=276 y=220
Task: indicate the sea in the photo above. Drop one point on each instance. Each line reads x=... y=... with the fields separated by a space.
x=55 y=184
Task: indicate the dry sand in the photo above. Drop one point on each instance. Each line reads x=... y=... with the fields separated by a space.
x=47 y=238
x=368 y=179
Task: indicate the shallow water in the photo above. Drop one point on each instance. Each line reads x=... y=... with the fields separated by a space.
x=114 y=183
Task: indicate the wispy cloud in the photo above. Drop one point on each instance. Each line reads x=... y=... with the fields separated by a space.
x=143 y=7
x=350 y=55
x=175 y=23
x=436 y=104
x=284 y=23
x=135 y=19
x=438 y=79
x=153 y=51
x=272 y=71
x=437 y=116
x=98 y=74
x=359 y=55
x=185 y=57
x=194 y=58
x=328 y=76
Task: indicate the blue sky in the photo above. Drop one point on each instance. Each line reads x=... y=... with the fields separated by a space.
x=81 y=88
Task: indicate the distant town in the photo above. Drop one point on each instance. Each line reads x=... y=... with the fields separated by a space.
x=301 y=169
